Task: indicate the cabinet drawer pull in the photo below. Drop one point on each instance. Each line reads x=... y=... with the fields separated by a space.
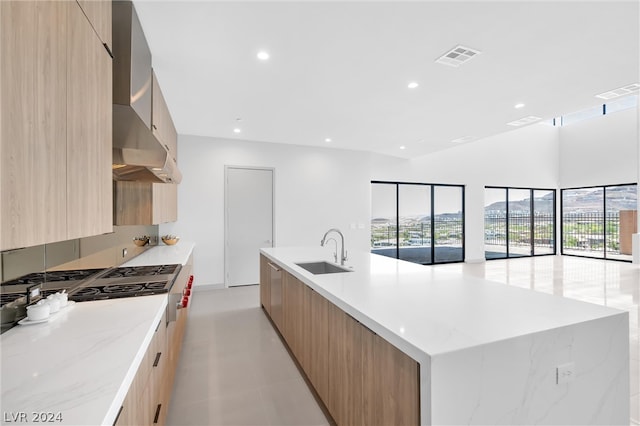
x=157 y=360
x=274 y=267
x=155 y=419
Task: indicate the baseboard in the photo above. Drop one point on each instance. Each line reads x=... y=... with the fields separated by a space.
x=206 y=287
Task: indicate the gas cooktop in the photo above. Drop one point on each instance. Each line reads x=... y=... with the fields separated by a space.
x=93 y=284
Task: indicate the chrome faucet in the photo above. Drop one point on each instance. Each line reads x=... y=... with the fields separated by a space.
x=343 y=253
x=335 y=252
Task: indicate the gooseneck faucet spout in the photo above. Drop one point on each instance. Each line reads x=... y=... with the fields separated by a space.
x=343 y=255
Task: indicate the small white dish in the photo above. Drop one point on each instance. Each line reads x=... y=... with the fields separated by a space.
x=27 y=321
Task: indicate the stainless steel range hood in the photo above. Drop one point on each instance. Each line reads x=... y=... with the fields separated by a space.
x=137 y=154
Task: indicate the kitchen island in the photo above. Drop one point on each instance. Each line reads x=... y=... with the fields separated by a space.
x=79 y=368
x=487 y=353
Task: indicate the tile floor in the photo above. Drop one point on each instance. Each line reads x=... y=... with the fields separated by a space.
x=234 y=370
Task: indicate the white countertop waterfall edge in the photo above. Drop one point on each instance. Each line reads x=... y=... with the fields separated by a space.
x=432 y=313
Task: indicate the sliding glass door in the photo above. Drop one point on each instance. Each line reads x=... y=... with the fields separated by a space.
x=599 y=221
x=384 y=220
x=420 y=223
x=519 y=222
x=414 y=203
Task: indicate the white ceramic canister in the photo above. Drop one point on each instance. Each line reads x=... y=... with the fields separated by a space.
x=63 y=298
x=54 y=303
x=39 y=311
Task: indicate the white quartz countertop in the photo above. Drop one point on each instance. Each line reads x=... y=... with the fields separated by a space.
x=163 y=255
x=78 y=366
x=427 y=310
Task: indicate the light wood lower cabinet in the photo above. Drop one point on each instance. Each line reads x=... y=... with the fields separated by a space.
x=149 y=394
x=140 y=404
x=275 y=275
x=360 y=377
x=265 y=284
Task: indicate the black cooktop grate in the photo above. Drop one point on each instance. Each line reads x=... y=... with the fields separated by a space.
x=141 y=271
x=53 y=276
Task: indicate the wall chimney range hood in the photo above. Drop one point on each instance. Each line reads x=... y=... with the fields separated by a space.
x=137 y=154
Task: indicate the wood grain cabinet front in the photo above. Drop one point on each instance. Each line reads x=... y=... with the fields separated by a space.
x=55 y=138
x=98 y=12
x=145 y=203
x=89 y=130
x=360 y=377
x=265 y=284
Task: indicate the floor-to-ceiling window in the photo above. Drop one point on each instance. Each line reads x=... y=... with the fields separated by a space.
x=518 y=222
x=418 y=222
x=599 y=221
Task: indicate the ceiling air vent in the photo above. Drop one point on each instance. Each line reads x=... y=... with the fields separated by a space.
x=457 y=56
x=621 y=91
x=525 y=120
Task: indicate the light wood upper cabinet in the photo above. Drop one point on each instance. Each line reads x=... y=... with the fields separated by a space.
x=55 y=86
x=161 y=122
x=145 y=203
x=32 y=134
x=89 y=131
x=98 y=12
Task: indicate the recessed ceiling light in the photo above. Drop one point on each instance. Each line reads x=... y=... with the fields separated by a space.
x=237 y=130
x=518 y=106
x=525 y=120
x=412 y=85
x=621 y=91
x=403 y=147
x=263 y=55
x=327 y=140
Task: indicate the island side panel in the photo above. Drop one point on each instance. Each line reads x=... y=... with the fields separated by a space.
x=514 y=381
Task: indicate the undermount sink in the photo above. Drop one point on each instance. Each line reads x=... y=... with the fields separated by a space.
x=318 y=268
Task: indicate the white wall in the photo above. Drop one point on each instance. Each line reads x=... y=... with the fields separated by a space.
x=526 y=157
x=319 y=188
x=315 y=189
x=600 y=151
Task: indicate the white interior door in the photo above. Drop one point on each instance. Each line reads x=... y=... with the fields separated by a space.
x=249 y=222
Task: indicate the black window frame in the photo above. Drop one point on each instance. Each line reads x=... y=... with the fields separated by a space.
x=532 y=221
x=604 y=224
x=432 y=215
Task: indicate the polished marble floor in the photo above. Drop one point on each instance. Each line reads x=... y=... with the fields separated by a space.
x=234 y=370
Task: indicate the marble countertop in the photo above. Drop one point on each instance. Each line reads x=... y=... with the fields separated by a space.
x=163 y=255
x=80 y=364
x=428 y=311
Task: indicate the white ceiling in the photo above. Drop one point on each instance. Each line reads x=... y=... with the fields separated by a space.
x=340 y=70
